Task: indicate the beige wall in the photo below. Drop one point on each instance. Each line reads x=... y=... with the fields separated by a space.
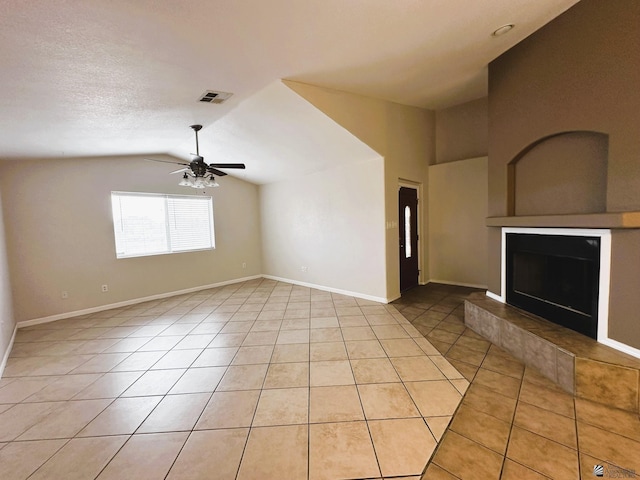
x=60 y=234
x=561 y=79
x=7 y=321
x=564 y=174
x=625 y=283
x=410 y=150
x=457 y=213
x=458 y=195
x=332 y=223
x=404 y=137
x=580 y=72
x=462 y=131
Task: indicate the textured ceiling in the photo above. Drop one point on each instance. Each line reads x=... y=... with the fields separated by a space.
x=113 y=77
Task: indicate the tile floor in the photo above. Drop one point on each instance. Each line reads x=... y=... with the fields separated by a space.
x=253 y=380
x=514 y=423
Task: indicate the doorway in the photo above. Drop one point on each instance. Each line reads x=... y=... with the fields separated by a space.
x=408 y=228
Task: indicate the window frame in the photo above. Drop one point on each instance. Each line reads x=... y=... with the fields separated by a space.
x=167 y=222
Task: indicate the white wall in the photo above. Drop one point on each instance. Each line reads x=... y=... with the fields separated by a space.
x=458 y=193
x=59 y=227
x=333 y=223
x=404 y=136
x=60 y=234
x=7 y=322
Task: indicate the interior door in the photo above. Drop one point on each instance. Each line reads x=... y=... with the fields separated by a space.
x=408 y=222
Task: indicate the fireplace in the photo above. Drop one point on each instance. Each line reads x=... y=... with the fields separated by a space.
x=555 y=277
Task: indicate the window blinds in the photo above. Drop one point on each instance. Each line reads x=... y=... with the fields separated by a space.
x=153 y=224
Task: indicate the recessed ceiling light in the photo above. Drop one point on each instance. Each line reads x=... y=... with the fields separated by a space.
x=502 y=30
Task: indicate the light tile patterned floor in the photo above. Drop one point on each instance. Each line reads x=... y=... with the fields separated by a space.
x=256 y=380
x=513 y=423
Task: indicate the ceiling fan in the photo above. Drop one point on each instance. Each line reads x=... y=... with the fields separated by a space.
x=197 y=173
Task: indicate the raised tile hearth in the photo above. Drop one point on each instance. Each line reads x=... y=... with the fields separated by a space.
x=580 y=365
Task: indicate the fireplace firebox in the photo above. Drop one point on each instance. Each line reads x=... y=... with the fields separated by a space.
x=555 y=277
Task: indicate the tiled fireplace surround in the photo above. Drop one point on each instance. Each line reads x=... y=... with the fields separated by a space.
x=578 y=364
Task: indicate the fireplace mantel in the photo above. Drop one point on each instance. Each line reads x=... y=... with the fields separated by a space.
x=590 y=220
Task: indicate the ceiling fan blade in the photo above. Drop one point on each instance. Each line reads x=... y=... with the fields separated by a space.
x=228 y=165
x=166 y=161
x=198 y=167
x=215 y=171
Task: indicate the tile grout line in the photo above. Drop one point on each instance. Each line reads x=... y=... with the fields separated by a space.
x=246 y=442
x=433 y=455
x=515 y=412
x=150 y=412
x=521 y=379
x=364 y=414
x=251 y=427
x=575 y=414
x=309 y=399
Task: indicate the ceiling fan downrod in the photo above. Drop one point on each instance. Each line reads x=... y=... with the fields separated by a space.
x=197 y=128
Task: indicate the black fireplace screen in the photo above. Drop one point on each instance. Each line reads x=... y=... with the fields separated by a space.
x=555 y=277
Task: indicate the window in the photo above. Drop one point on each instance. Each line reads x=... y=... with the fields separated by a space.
x=153 y=224
x=407 y=232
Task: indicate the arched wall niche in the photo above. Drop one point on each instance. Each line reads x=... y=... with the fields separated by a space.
x=560 y=174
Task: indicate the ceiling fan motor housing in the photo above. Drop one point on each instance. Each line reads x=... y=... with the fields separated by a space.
x=198 y=171
x=198 y=167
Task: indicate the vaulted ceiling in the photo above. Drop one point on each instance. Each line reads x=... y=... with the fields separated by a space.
x=119 y=77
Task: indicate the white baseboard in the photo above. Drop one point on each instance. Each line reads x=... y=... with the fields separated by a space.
x=458 y=284
x=364 y=296
x=126 y=303
x=622 y=347
x=495 y=297
x=8 y=351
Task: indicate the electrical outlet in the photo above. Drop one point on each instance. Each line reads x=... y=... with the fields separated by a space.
x=244 y=264
x=65 y=294
x=105 y=288
x=304 y=268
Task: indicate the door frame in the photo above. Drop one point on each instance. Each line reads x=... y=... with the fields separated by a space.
x=418 y=187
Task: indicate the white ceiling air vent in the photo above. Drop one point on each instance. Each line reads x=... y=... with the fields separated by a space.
x=211 y=96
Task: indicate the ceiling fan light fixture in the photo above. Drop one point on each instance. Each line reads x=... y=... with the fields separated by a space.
x=186 y=180
x=198 y=181
x=211 y=182
x=197 y=173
